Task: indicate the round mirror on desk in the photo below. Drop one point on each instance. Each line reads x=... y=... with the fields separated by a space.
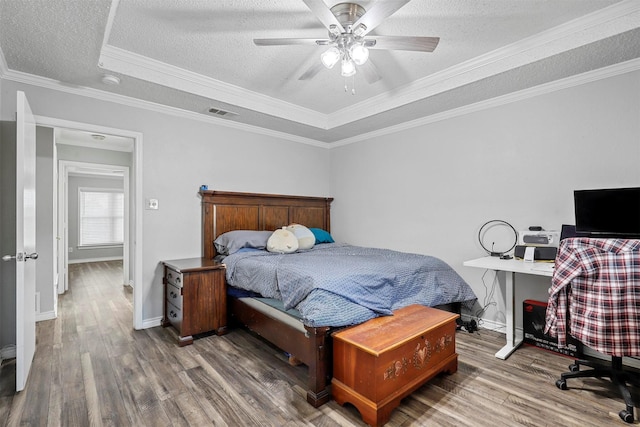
x=497 y=237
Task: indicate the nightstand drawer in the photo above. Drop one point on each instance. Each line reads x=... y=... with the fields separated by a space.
x=174 y=315
x=174 y=296
x=174 y=278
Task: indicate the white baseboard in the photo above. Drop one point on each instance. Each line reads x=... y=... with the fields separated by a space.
x=47 y=315
x=494 y=326
x=151 y=323
x=83 y=260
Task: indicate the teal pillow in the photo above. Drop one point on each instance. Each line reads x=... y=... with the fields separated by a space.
x=322 y=236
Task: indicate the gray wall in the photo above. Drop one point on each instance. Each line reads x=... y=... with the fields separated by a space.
x=88 y=254
x=426 y=189
x=7 y=232
x=429 y=189
x=92 y=155
x=45 y=223
x=178 y=156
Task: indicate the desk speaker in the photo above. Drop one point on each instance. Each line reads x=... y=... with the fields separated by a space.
x=540 y=253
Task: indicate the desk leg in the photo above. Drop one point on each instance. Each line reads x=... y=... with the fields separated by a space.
x=513 y=338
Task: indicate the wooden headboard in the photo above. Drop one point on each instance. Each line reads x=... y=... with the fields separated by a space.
x=225 y=211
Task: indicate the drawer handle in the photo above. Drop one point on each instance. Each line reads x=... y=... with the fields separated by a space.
x=178 y=279
x=173 y=295
x=173 y=314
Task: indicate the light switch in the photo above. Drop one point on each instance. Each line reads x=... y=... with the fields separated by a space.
x=152 y=203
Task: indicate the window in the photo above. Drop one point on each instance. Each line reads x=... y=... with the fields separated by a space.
x=101 y=217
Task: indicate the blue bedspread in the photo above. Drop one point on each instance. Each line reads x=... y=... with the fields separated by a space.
x=338 y=284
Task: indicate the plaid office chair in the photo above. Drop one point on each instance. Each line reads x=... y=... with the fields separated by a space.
x=595 y=297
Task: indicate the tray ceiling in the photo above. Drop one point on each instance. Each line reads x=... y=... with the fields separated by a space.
x=197 y=55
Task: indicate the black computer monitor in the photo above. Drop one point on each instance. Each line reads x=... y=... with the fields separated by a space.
x=608 y=213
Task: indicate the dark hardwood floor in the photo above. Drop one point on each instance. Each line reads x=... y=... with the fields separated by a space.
x=92 y=369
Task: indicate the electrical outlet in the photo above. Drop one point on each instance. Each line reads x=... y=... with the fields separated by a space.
x=152 y=203
x=70 y=249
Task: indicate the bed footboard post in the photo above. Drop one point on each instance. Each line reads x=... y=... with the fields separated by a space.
x=319 y=367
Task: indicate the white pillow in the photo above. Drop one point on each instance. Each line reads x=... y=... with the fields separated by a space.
x=282 y=241
x=306 y=239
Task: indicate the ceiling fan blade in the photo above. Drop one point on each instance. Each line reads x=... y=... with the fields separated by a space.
x=420 y=44
x=312 y=71
x=370 y=72
x=378 y=13
x=322 y=12
x=292 y=41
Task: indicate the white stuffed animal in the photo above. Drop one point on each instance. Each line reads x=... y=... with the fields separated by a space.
x=282 y=241
x=306 y=239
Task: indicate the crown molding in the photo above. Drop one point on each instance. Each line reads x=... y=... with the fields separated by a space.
x=584 y=78
x=151 y=70
x=595 y=26
x=144 y=68
x=4 y=68
x=568 y=82
x=101 y=95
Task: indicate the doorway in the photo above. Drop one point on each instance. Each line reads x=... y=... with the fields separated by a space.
x=78 y=178
x=98 y=140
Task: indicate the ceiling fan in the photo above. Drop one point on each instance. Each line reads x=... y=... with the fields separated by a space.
x=348 y=42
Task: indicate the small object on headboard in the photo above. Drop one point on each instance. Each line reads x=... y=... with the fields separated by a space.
x=204 y=187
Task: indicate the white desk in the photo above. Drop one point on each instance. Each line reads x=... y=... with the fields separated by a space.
x=513 y=266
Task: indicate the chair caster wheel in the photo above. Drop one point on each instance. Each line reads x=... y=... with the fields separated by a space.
x=562 y=385
x=626 y=416
x=574 y=368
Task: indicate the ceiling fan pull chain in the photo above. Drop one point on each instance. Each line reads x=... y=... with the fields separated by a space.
x=353 y=85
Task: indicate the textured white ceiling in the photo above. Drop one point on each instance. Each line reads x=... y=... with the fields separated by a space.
x=193 y=55
x=93 y=140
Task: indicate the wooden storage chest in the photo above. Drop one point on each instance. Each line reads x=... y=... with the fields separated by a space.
x=381 y=361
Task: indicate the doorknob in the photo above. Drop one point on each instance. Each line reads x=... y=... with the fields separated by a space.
x=21 y=256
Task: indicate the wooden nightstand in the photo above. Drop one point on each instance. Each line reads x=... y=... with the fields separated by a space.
x=195 y=297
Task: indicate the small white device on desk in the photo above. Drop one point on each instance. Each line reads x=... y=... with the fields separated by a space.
x=511 y=267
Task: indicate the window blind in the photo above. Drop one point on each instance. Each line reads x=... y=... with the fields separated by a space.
x=101 y=217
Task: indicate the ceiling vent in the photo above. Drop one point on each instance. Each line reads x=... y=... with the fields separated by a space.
x=219 y=112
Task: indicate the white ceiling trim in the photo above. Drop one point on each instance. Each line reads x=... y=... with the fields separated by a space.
x=569 y=82
x=99 y=174
x=112 y=16
x=604 y=23
x=151 y=70
x=611 y=71
x=46 y=83
x=4 y=68
x=579 y=32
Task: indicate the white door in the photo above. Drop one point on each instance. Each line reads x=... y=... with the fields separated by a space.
x=25 y=240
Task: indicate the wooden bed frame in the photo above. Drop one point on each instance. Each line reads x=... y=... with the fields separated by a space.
x=226 y=211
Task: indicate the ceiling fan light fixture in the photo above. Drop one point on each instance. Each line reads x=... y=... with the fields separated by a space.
x=360 y=31
x=348 y=67
x=334 y=32
x=359 y=53
x=330 y=57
